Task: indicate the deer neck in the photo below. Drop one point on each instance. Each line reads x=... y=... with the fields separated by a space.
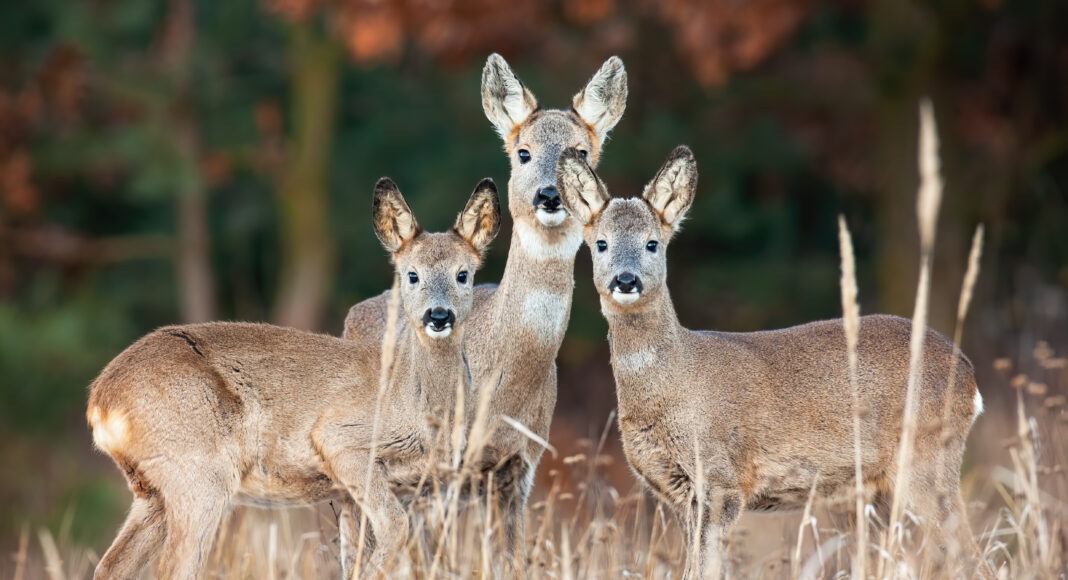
x=532 y=303
x=645 y=342
x=437 y=369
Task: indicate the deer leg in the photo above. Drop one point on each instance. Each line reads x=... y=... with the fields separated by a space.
x=940 y=508
x=349 y=528
x=196 y=496
x=138 y=540
x=515 y=480
x=707 y=529
x=389 y=521
x=192 y=524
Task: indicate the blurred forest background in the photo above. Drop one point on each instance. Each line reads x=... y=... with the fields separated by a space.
x=182 y=160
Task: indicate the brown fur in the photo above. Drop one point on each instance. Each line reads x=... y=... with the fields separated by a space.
x=718 y=422
x=202 y=415
x=528 y=312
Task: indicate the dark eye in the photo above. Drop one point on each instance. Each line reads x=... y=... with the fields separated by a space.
x=582 y=153
x=602 y=245
x=462 y=277
x=651 y=246
x=524 y=156
x=412 y=278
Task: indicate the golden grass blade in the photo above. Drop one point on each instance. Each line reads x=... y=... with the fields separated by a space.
x=851 y=323
x=389 y=345
x=930 y=197
x=971 y=274
x=526 y=432
x=53 y=563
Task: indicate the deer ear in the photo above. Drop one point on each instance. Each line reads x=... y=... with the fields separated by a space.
x=394 y=223
x=602 y=102
x=581 y=191
x=505 y=100
x=671 y=192
x=479 y=222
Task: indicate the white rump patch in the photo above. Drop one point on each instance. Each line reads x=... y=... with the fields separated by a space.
x=434 y=333
x=625 y=298
x=550 y=219
x=109 y=431
x=544 y=312
x=634 y=362
x=536 y=247
x=978 y=405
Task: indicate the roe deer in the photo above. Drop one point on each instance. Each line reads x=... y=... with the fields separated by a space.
x=201 y=415
x=518 y=326
x=716 y=423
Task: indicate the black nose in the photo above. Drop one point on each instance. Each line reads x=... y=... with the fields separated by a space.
x=626 y=283
x=547 y=198
x=439 y=317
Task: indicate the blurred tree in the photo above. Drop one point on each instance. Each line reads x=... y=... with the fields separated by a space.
x=195 y=278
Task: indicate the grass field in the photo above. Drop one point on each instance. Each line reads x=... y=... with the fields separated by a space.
x=590 y=519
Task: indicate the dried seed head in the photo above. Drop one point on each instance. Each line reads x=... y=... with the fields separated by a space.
x=930 y=195
x=1002 y=364
x=1055 y=363
x=1036 y=389
x=1042 y=351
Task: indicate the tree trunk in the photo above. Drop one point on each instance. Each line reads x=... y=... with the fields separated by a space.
x=307 y=252
x=196 y=287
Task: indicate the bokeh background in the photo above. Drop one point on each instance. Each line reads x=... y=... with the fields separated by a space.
x=168 y=161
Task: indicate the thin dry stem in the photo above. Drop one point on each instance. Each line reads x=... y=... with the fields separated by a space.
x=851 y=323
x=930 y=196
x=389 y=344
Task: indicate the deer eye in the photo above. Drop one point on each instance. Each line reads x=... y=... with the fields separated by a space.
x=524 y=156
x=651 y=246
x=582 y=153
x=462 y=277
x=413 y=277
x=602 y=245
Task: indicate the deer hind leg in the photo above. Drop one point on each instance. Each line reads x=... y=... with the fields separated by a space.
x=196 y=497
x=138 y=540
x=936 y=500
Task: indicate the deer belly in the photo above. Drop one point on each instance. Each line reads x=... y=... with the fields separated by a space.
x=269 y=484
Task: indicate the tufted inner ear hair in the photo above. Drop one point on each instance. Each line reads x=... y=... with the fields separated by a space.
x=672 y=190
x=505 y=100
x=480 y=221
x=581 y=191
x=393 y=220
x=602 y=102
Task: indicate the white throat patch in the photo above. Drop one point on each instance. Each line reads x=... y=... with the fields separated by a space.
x=536 y=247
x=545 y=312
x=634 y=362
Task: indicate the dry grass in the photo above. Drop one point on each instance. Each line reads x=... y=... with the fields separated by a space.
x=583 y=526
x=590 y=529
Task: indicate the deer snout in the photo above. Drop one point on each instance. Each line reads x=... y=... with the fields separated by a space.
x=547 y=198
x=625 y=287
x=438 y=321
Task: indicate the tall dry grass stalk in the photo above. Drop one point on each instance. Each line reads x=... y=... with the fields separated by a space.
x=971 y=275
x=927 y=205
x=389 y=346
x=851 y=323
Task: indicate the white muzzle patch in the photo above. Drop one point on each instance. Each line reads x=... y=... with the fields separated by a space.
x=435 y=333
x=625 y=298
x=550 y=219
